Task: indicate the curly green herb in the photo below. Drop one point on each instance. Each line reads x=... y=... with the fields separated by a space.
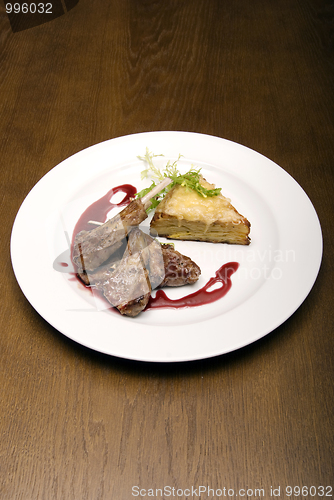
x=189 y=180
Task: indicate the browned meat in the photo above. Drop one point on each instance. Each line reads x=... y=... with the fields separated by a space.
x=126 y=283
x=166 y=266
x=179 y=269
x=93 y=248
x=153 y=259
x=128 y=287
x=144 y=265
x=137 y=241
x=89 y=277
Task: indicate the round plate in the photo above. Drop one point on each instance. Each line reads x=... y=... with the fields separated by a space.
x=277 y=270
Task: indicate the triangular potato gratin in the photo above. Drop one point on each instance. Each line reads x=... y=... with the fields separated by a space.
x=184 y=214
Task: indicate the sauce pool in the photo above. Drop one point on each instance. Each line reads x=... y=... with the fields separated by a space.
x=99 y=209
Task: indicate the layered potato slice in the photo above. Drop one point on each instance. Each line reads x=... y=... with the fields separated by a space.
x=185 y=215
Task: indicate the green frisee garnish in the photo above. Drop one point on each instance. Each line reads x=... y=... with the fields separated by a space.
x=189 y=180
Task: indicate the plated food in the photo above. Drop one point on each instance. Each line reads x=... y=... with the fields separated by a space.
x=125 y=264
x=94 y=184
x=186 y=215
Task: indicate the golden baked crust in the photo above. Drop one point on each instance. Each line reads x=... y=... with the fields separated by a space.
x=185 y=215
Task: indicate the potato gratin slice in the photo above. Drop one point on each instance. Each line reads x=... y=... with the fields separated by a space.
x=183 y=214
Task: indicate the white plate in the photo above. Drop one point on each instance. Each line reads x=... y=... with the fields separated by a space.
x=277 y=270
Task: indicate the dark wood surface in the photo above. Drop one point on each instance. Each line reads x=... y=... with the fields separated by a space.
x=79 y=425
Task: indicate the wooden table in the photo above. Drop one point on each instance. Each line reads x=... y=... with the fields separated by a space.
x=77 y=424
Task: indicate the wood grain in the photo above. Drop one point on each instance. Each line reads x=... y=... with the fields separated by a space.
x=76 y=424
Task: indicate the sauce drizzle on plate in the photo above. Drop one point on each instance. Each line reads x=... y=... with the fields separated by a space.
x=202 y=296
